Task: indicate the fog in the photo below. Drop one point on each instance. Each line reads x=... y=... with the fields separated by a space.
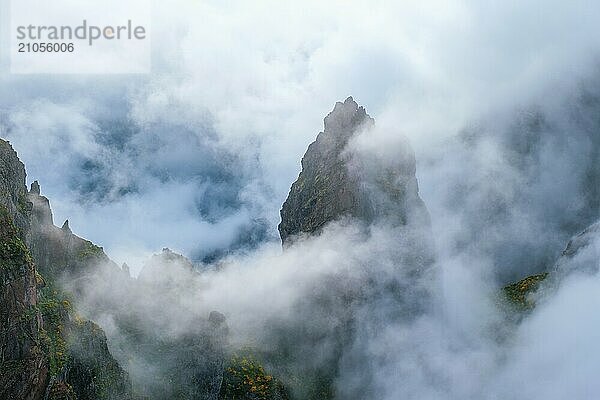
x=499 y=102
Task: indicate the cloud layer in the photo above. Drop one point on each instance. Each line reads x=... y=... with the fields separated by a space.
x=499 y=101
x=233 y=101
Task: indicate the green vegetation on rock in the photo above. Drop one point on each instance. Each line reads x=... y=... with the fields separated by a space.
x=245 y=378
x=89 y=250
x=518 y=293
x=13 y=251
x=55 y=308
x=94 y=372
x=60 y=390
x=23 y=366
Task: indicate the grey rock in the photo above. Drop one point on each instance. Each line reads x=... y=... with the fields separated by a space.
x=36 y=251
x=65 y=227
x=581 y=254
x=335 y=182
x=13 y=192
x=35 y=188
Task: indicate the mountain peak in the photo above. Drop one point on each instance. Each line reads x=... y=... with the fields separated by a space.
x=165 y=266
x=35 y=188
x=345 y=118
x=327 y=189
x=65 y=227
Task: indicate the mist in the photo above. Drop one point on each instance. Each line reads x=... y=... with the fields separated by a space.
x=498 y=102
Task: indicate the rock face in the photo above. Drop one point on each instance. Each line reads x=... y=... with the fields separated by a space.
x=165 y=268
x=57 y=251
x=184 y=350
x=93 y=372
x=343 y=177
x=38 y=336
x=333 y=184
x=582 y=253
x=580 y=256
x=23 y=364
x=13 y=193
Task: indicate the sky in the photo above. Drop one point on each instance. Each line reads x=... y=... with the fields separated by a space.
x=498 y=99
x=199 y=154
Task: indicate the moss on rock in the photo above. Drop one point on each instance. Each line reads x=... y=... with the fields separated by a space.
x=518 y=294
x=246 y=378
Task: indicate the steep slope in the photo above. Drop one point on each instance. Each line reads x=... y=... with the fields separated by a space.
x=333 y=183
x=145 y=313
x=580 y=256
x=158 y=330
x=38 y=331
x=24 y=367
x=343 y=181
x=58 y=252
x=13 y=194
x=50 y=352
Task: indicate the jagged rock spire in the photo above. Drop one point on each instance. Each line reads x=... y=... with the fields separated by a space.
x=35 y=188
x=65 y=227
x=335 y=182
x=125 y=269
x=345 y=118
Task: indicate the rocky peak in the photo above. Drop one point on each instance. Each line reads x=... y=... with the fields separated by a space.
x=126 y=270
x=65 y=227
x=335 y=182
x=167 y=266
x=41 y=215
x=35 y=188
x=13 y=195
x=170 y=258
x=345 y=118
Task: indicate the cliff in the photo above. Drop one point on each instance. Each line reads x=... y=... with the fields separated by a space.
x=344 y=179
x=39 y=336
x=58 y=252
x=335 y=182
x=580 y=256
x=24 y=366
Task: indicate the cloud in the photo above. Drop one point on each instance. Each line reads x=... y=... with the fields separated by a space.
x=424 y=69
x=499 y=101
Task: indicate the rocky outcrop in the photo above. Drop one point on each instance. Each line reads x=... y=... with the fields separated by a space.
x=58 y=251
x=344 y=179
x=165 y=267
x=92 y=371
x=13 y=193
x=23 y=364
x=335 y=182
x=24 y=369
x=160 y=330
x=519 y=294
x=38 y=337
x=580 y=256
x=246 y=378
